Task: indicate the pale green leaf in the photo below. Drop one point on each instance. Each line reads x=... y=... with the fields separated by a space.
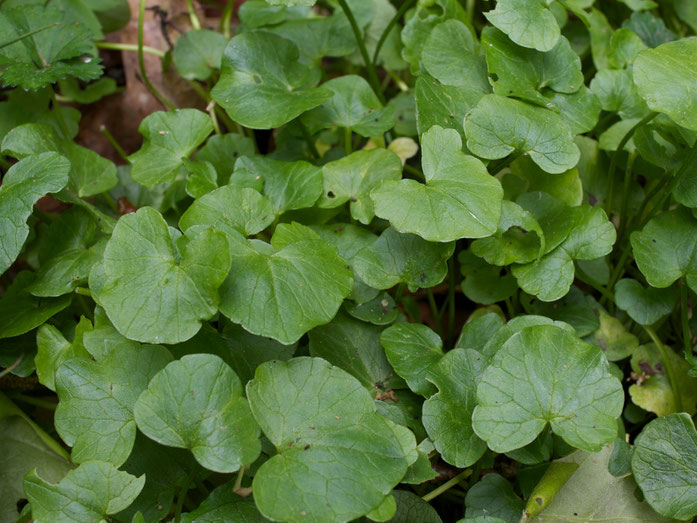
x=611 y=336
x=198 y=53
x=527 y=22
x=54 y=349
x=644 y=306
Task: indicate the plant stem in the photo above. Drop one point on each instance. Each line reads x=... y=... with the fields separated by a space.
x=625 y=196
x=12 y=367
x=83 y=291
x=29 y=400
x=434 y=311
x=399 y=291
x=195 y=22
x=414 y=171
x=182 y=496
x=370 y=66
x=141 y=60
x=615 y=157
x=668 y=365
x=28 y=34
x=224 y=26
x=396 y=18
x=347 y=141
x=686 y=334
x=211 y=112
x=308 y=139
x=116 y=145
x=447 y=485
x=117 y=46
x=238 y=481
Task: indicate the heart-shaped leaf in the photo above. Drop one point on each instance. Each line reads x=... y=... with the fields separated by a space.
x=542 y=375
x=262 y=85
x=459 y=199
x=498 y=126
x=665 y=465
x=205 y=413
x=18 y=194
x=156 y=290
x=198 y=53
x=324 y=426
x=644 y=306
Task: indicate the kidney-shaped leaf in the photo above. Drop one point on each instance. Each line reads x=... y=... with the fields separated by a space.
x=665 y=249
x=88 y=493
x=196 y=403
x=498 y=126
x=152 y=293
x=95 y=413
x=665 y=465
x=644 y=306
x=396 y=257
x=22 y=186
x=282 y=291
x=527 y=22
x=545 y=374
x=262 y=85
x=666 y=77
x=447 y=416
x=459 y=199
x=337 y=457
x=169 y=139
x=197 y=53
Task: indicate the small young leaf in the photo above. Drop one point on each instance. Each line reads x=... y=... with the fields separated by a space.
x=611 y=336
x=665 y=465
x=88 y=493
x=206 y=413
x=552 y=377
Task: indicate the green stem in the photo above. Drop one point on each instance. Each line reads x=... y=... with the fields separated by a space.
x=13 y=366
x=141 y=60
x=182 y=496
x=117 y=46
x=29 y=400
x=238 y=481
x=615 y=157
x=347 y=140
x=370 y=66
x=616 y=274
x=447 y=485
x=414 y=171
x=401 y=85
x=83 y=291
x=451 y=298
x=686 y=334
x=668 y=366
x=308 y=139
x=195 y=22
x=224 y=26
x=214 y=118
x=28 y=34
x=396 y=18
x=498 y=166
x=434 y=310
x=399 y=292
x=116 y=145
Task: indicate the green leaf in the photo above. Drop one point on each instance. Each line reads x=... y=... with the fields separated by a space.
x=653 y=390
x=665 y=465
x=651 y=29
x=95 y=413
x=222 y=151
x=484 y=283
x=391 y=51
x=201 y=178
x=518 y=238
x=459 y=199
x=90 y=173
x=354 y=346
x=353 y=105
x=262 y=85
x=282 y=291
x=453 y=57
x=54 y=349
x=63 y=49
x=21 y=312
x=663 y=77
x=205 y=413
x=92 y=92
x=198 y=53
x=444 y=105
x=230 y=209
x=644 y=306
x=593 y=493
x=526 y=129
x=23 y=107
x=324 y=426
x=578 y=309
x=566 y=186
x=412 y=349
x=617 y=93
x=427 y=15
x=447 y=416
x=527 y=73
x=169 y=138
x=23 y=450
x=664 y=249
x=411 y=508
x=156 y=290
x=493 y=497
x=67 y=253
x=407 y=258
x=527 y=22
x=224 y=504
x=381 y=310
x=478 y=331
x=288 y=185
x=18 y=194
x=580 y=110
x=611 y=336
x=89 y=493
x=353 y=177
x=543 y=375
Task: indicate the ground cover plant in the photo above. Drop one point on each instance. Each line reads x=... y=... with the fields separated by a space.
x=421 y=261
